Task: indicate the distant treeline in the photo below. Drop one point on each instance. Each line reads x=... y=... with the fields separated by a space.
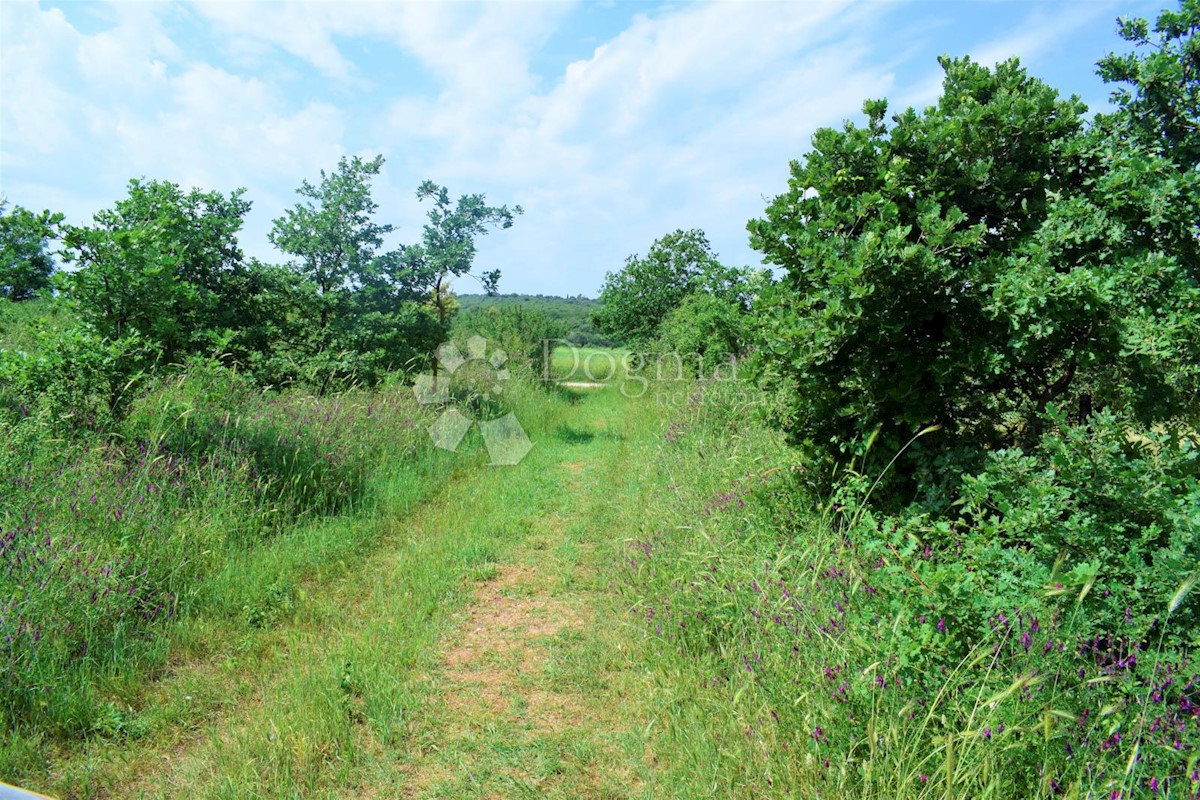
x=571 y=315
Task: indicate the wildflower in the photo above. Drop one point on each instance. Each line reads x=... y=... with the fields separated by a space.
x=941 y=626
x=987 y=733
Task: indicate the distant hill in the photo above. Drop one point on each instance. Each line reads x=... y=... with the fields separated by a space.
x=572 y=314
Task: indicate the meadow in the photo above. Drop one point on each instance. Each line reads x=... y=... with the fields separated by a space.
x=911 y=510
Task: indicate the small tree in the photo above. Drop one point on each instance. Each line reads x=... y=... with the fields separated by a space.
x=161 y=263
x=370 y=312
x=447 y=249
x=25 y=263
x=332 y=233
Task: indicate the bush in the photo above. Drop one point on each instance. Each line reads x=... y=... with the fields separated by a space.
x=706 y=331
x=636 y=299
x=841 y=652
x=969 y=265
x=81 y=383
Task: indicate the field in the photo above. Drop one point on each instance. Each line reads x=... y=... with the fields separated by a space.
x=908 y=509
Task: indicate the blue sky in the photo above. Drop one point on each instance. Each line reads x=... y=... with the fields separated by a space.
x=611 y=123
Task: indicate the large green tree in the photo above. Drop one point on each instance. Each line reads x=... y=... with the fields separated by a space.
x=163 y=263
x=636 y=299
x=971 y=264
x=25 y=262
x=367 y=312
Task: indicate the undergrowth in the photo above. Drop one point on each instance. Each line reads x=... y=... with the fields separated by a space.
x=815 y=648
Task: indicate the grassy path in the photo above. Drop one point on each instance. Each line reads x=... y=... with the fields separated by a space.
x=480 y=652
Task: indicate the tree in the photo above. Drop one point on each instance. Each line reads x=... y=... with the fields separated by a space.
x=335 y=241
x=708 y=330
x=372 y=310
x=162 y=263
x=332 y=233
x=447 y=248
x=25 y=263
x=1162 y=101
x=971 y=265
x=635 y=300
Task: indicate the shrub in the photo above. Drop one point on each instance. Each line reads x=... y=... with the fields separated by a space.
x=844 y=652
x=81 y=383
x=706 y=331
x=970 y=265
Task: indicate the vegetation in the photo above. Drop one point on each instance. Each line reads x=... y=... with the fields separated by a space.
x=636 y=299
x=920 y=517
x=25 y=263
x=679 y=304
x=983 y=350
x=570 y=316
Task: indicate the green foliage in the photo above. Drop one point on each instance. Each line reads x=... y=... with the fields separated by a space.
x=1092 y=504
x=1162 y=105
x=571 y=315
x=332 y=233
x=1036 y=646
x=161 y=264
x=447 y=247
x=25 y=263
x=81 y=383
x=972 y=264
x=520 y=331
x=30 y=326
x=709 y=330
x=635 y=300
x=336 y=242
x=354 y=314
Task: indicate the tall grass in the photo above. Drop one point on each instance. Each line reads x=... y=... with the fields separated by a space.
x=811 y=650
x=103 y=541
x=27 y=325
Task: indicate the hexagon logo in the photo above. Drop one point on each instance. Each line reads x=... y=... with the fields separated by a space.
x=503 y=435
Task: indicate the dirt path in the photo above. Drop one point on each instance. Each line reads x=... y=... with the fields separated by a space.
x=529 y=684
x=480 y=652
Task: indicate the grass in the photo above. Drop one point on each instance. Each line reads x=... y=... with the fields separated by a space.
x=646 y=606
x=795 y=653
x=585 y=364
x=357 y=683
x=25 y=326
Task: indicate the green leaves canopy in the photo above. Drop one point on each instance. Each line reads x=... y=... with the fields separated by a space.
x=972 y=263
x=636 y=299
x=162 y=263
x=25 y=263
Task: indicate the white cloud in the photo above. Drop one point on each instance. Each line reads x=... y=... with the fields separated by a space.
x=35 y=116
x=685 y=117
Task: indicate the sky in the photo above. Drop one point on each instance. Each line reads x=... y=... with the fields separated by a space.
x=611 y=123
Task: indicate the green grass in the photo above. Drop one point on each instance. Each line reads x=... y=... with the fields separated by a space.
x=641 y=608
x=341 y=691
x=27 y=326
x=587 y=364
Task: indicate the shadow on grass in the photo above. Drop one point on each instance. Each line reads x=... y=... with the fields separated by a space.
x=571 y=435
